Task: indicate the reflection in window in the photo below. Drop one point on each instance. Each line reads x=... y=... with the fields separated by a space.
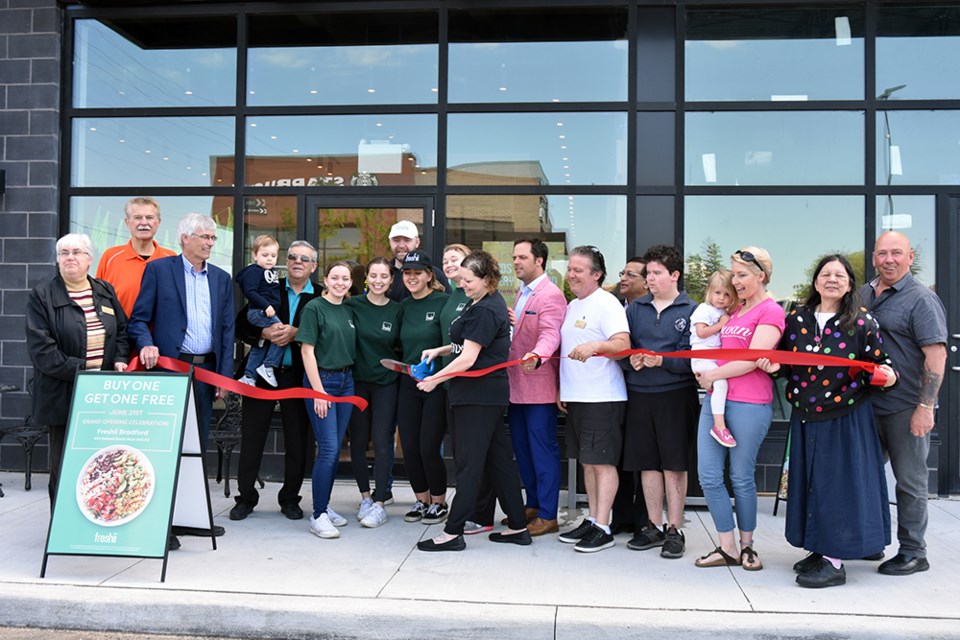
x=271 y=215
x=917 y=52
x=363 y=150
x=102 y=218
x=538 y=71
x=492 y=223
x=762 y=54
x=164 y=62
x=918 y=147
x=915 y=217
x=152 y=152
x=537 y=148
x=379 y=74
x=796 y=230
x=774 y=148
x=359 y=234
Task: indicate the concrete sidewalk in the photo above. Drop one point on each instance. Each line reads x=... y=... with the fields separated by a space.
x=270 y=578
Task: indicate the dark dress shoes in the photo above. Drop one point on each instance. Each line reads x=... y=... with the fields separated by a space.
x=903 y=565
x=241 y=510
x=523 y=538
x=453 y=544
x=824 y=575
x=809 y=563
x=173 y=543
x=291 y=510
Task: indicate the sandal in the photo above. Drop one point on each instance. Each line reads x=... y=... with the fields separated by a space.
x=752 y=560
x=723 y=560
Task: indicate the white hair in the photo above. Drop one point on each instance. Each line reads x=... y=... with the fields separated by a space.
x=194 y=222
x=79 y=240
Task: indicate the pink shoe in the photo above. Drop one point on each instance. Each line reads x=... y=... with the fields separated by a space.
x=724 y=437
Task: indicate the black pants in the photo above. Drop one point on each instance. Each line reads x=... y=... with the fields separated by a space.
x=486 y=508
x=421 y=420
x=254 y=428
x=380 y=418
x=482 y=447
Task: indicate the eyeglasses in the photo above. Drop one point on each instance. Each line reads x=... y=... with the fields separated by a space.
x=749 y=257
x=631 y=274
x=293 y=258
x=206 y=237
x=76 y=253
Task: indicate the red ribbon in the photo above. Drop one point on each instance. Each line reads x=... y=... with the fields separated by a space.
x=249 y=391
x=749 y=355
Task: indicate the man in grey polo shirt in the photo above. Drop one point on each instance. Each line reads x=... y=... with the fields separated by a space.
x=914 y=330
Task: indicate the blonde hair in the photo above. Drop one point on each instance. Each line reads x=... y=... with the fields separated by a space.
x=765 y=266
x=264 y=241
x=722 y=278
x=462 y=249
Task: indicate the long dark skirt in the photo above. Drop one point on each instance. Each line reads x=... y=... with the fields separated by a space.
x=837 y=503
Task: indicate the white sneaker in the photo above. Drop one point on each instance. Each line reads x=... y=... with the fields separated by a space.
x=248 y=380
x=337 y=519
x=375 y=517
x=322 y=527
x=365 y=506
x=266 y=373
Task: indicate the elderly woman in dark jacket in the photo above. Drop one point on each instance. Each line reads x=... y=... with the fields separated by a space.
x=74 y=323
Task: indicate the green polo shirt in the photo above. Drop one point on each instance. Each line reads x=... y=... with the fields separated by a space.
x=420 y=325
x=378 y=334
x=329 y=328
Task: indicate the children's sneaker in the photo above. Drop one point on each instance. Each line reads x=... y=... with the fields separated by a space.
x=724 y=437
x=436 y=514
x=266 y=373
x=248 y=380
x=471 y=528
x=322 y=527
x=365 y=506
x=337 y=519
x=416 y=512
x=375 y=517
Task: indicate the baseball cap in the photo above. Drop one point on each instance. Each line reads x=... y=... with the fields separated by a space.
x=404 y=228
x=417 y=260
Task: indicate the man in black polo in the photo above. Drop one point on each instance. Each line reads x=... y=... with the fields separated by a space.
x=296 y=291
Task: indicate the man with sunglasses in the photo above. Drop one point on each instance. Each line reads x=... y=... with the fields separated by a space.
x=296 y=290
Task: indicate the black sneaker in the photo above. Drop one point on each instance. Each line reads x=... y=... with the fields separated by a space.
x=436 y=514
x=673 y=544
x=416 y=513
x=596 y=539
x=811 y=562
x=824 y=575
x=575 y=535
x=649 y=537
x=241 y=510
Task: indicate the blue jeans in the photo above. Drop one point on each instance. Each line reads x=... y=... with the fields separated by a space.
x=749 y=424
x=329 y=434
x=270 y=355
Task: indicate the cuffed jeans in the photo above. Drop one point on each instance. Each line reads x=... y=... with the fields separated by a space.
x=908 y=457
x=329 y=434
x=749 y=424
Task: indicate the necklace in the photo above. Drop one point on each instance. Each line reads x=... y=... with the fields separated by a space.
x=820 y=319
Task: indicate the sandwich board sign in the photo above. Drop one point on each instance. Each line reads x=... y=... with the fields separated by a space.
x=131 y=459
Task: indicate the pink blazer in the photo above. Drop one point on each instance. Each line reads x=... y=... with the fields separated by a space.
x=537 y=330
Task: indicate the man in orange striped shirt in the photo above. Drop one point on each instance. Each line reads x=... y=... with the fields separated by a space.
x=123 y=266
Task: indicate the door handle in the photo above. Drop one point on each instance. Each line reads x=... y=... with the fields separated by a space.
x=956 y=336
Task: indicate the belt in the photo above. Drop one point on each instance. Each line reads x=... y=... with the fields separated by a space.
x=197 y=359
x=340 y=370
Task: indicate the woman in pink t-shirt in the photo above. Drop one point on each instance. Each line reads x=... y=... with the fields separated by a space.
x=756 y=324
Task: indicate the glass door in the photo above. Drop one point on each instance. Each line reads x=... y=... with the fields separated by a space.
x=948 y=420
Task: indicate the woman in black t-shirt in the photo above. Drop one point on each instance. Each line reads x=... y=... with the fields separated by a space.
x=480 y=338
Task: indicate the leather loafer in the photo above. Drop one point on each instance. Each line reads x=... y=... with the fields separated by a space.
x=292 y=511
x=903 y=565
x=198 y=531
x=454 y=544
x=539 y=527
x=523 y=538
x=823 y=575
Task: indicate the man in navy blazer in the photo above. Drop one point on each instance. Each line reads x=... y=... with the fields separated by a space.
x=185 y=311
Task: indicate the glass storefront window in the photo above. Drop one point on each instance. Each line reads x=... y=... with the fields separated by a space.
x=918 y=147
x=537 y=148
x=774 y=148
x=761 y=54
x=520 y=55
x=269 y=215
x=152 y=152
x=102 y=218
x=915 y=217
x=917 y=52
x=365 y=150
x=796 y=230
x=155 y=62
x=492 y=223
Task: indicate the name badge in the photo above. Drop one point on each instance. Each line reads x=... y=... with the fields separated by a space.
x=580 y=324
x=108 y=310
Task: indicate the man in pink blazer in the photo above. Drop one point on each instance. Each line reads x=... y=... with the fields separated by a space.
x=539 y=312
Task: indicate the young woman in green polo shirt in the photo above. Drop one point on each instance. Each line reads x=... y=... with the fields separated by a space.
x=421 y=417
x=377 y=320
x=328 y=343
